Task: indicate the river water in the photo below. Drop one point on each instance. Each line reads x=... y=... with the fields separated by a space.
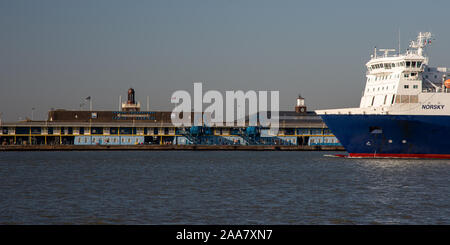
x=219 y=187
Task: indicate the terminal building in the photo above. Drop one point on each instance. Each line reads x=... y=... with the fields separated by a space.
x=131 y=126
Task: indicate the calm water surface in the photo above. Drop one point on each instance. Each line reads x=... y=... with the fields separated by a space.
x=216 y=187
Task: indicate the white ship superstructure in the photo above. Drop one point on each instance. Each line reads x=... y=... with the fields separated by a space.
x=403 y=83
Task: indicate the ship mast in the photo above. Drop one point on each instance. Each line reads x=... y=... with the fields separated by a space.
x=423 y=39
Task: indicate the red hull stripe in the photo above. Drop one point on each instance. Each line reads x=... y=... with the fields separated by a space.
x=388 y=155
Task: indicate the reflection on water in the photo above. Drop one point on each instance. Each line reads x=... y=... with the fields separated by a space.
x=220 y=188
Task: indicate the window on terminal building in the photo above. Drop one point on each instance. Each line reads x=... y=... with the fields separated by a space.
x=113 y=130
x=97 y=130
x=126 y=131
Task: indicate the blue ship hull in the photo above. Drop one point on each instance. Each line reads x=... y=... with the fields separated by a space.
x=403 y=136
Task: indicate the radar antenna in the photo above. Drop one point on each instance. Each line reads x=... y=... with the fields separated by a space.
x=386 y=51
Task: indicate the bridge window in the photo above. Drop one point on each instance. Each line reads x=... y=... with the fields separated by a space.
x=413 y=64
x=419 y=63
x=408 y=64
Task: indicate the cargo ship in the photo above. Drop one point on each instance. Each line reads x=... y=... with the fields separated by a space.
x=404 y=110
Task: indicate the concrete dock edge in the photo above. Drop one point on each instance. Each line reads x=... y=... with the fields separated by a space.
x=168 y=148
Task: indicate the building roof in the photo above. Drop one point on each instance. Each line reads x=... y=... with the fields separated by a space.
x=69 y=118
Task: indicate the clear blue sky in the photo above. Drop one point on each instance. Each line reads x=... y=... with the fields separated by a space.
x=53 y=54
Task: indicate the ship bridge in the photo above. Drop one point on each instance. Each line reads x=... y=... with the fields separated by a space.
x=390 y=64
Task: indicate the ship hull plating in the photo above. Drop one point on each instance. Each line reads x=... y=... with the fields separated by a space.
x=392 y=136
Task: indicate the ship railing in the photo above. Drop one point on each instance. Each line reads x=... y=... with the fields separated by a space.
x=440 y=90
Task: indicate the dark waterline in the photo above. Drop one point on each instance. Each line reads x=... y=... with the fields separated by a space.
x=220 y=188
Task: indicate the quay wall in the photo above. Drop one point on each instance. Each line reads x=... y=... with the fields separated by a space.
x=171 y=147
